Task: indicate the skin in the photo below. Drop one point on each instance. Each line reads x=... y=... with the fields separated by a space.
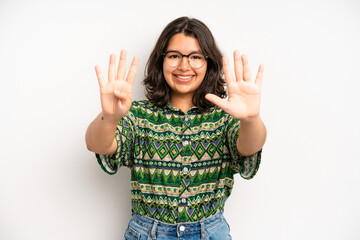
x=243 y=102
x=116 y=98
x=182 y=90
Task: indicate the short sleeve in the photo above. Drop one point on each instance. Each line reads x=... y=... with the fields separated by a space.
x=246 y=166
x=123 y=156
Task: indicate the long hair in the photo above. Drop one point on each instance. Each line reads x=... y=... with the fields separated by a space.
x=158 y=91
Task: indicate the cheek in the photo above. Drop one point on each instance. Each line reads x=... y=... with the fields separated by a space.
x=167 y=73
x=164 y=70
x=167 y=70
x=202 y=73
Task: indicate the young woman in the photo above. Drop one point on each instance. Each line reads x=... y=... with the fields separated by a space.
x=185 y=143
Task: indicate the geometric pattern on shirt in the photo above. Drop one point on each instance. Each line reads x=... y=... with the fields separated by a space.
x=182 y=165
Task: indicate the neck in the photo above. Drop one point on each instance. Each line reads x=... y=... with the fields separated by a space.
x=182 y=102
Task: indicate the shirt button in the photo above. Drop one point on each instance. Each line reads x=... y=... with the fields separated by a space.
x=183 y=200
x=182 y=228
x=186 y=143
x=186 y=119
x=185 y=170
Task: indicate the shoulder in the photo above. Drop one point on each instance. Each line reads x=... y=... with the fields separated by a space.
x=215 y=112
x=146 y=104
x=140 y=107
x=216 y=115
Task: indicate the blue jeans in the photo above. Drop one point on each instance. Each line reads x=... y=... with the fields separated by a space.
x=144 y=228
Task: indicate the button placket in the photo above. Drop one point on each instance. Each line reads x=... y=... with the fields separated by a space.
x=186 y=153
x=187 y=121
x=185 y=181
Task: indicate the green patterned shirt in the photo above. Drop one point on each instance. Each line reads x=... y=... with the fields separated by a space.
x=182 y=164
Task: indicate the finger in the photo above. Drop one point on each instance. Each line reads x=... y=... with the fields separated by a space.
x=259 y=75
x=246 y=68
x=112 y=67
x=121 y=95
x=238 y=66
x=122 y=66
x=132 y=72
x=125 y=98
x=222 y=103
x=99 y=75
x=227 y=72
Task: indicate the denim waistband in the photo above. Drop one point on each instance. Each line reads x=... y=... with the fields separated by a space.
x=182 y=227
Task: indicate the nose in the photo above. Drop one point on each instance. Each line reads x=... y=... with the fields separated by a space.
x=184 y=64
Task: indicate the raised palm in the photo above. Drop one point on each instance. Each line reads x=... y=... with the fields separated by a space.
x=116 y=94
x=244 y=95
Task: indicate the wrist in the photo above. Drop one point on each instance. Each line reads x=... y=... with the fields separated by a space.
x=250 y=120
x=110 y=119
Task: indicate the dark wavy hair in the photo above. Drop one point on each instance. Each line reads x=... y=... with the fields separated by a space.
x=158 y=91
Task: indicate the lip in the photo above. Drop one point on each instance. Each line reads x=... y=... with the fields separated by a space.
x=185 y=79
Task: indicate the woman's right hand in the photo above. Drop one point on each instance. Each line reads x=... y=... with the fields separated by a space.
x=116 y=94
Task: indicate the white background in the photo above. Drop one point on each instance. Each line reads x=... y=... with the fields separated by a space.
x=308 y=184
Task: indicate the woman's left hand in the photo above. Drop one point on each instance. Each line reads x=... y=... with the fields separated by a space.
x=243 y=95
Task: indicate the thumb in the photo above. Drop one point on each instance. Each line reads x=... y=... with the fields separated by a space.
x=222 y=103
x=117 y=93
x=123 y=96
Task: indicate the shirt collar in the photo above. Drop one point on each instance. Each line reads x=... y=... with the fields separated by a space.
x=194 y=109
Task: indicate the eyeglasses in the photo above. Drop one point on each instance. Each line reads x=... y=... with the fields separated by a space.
x=174 y=58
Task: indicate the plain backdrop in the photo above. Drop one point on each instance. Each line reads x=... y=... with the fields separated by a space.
x=308 y=185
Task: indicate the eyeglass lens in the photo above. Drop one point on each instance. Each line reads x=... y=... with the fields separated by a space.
x=196 y=60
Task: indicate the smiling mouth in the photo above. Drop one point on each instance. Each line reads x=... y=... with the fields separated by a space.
x=184 y=77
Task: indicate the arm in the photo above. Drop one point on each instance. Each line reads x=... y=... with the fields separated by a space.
x=243 y=103
x=252 y=136
x=100 y=135
x=115 y=103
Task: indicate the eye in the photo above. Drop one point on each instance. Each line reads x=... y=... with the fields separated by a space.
x=173 y=55
x=197 y=57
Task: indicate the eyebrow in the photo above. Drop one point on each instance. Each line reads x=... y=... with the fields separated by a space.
x=195 y=51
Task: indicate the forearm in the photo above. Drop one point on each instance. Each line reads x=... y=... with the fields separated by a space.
x=252 y=136
x=100 y=135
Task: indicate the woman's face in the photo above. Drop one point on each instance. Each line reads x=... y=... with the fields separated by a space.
x=183 y=79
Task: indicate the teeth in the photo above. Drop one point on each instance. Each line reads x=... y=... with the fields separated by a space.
x=184 y=77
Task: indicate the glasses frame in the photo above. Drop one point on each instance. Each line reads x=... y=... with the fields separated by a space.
x=183 y=55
